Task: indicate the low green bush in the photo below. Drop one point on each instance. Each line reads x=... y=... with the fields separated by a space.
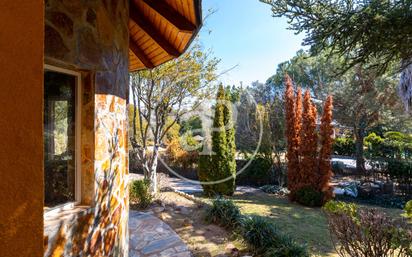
x=224 y=212
x=260 y=172
x=384 y=201
x=309 y=197
x=287 y=248
x=263 y=237
x=401 y=171
x=393 y=145
x=259 y=233
x=408 y=209
x=344 y=146
x=337 y=207
x=140 y=193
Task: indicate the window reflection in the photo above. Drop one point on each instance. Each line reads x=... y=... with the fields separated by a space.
x=59 y=138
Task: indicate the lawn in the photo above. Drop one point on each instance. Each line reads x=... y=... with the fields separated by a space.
x=306 y=225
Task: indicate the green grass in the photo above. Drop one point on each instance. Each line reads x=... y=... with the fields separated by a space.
x=306 y=225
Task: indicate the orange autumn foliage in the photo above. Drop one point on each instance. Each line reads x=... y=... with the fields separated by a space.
x=298 y=129
x=292 y=136
x=309 y=146
x=298 y=116
x=325 y=167
x=307 y=167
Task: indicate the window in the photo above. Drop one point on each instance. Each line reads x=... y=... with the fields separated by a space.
x=61 y=137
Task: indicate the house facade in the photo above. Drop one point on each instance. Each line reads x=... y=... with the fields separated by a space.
x=65 y=82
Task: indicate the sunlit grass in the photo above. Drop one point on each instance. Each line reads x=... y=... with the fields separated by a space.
x=306 y=225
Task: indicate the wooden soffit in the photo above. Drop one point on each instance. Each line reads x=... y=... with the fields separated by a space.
x=161 y=30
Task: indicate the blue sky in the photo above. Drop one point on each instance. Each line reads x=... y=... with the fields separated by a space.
x=243 y=33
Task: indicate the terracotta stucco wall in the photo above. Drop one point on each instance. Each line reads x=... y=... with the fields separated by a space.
x=21 y=121
x=92 y=37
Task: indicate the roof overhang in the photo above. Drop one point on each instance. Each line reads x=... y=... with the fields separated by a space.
x=161 y=30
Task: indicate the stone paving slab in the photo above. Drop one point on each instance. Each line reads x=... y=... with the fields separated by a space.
x=151 y=237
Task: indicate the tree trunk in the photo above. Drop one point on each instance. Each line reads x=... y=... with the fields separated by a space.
x=153 y=180
x=405 y=87
x=149 y=166
x=153 y=172
x=150 y=169
x=359 y=136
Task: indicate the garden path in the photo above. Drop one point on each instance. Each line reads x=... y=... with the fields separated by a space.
x=151 y=237
x=188 y=187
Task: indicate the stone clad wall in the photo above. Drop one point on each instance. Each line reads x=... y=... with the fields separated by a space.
x=92 y=37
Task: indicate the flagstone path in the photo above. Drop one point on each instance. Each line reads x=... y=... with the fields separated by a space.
x=151 y=237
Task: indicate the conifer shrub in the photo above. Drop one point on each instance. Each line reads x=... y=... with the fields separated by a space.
x=230 y=185
x=308 y=151
x=218 y=170
x=309 y=165
x=344 y=146
x=292 y=136
x=224 y=212
x=205 y=173
x=326 y=141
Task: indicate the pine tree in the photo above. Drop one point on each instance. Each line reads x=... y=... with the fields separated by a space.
x=326 y=140
x=308 y=149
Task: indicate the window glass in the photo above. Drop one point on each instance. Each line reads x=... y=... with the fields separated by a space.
x=59 y=138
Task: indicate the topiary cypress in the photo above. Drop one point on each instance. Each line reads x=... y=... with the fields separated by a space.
x=308 y=149
x=292 y=135
x=230 y=185
x=204 y=172
x=219 y=145
x=221 y=164
x=326 y=140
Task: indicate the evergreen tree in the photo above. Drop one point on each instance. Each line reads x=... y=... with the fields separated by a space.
x=291 y=135
x=305 y=169
x=230 y=186
x=221 y=164
x=308 y=149
x=204 y=172
x=298 y=129
x=372 y=33
x=325 y=168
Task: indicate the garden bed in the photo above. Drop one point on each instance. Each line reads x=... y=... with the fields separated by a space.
x=187 y=219
x=306 y=225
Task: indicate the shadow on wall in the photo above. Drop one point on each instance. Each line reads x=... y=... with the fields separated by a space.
x=102 y=230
